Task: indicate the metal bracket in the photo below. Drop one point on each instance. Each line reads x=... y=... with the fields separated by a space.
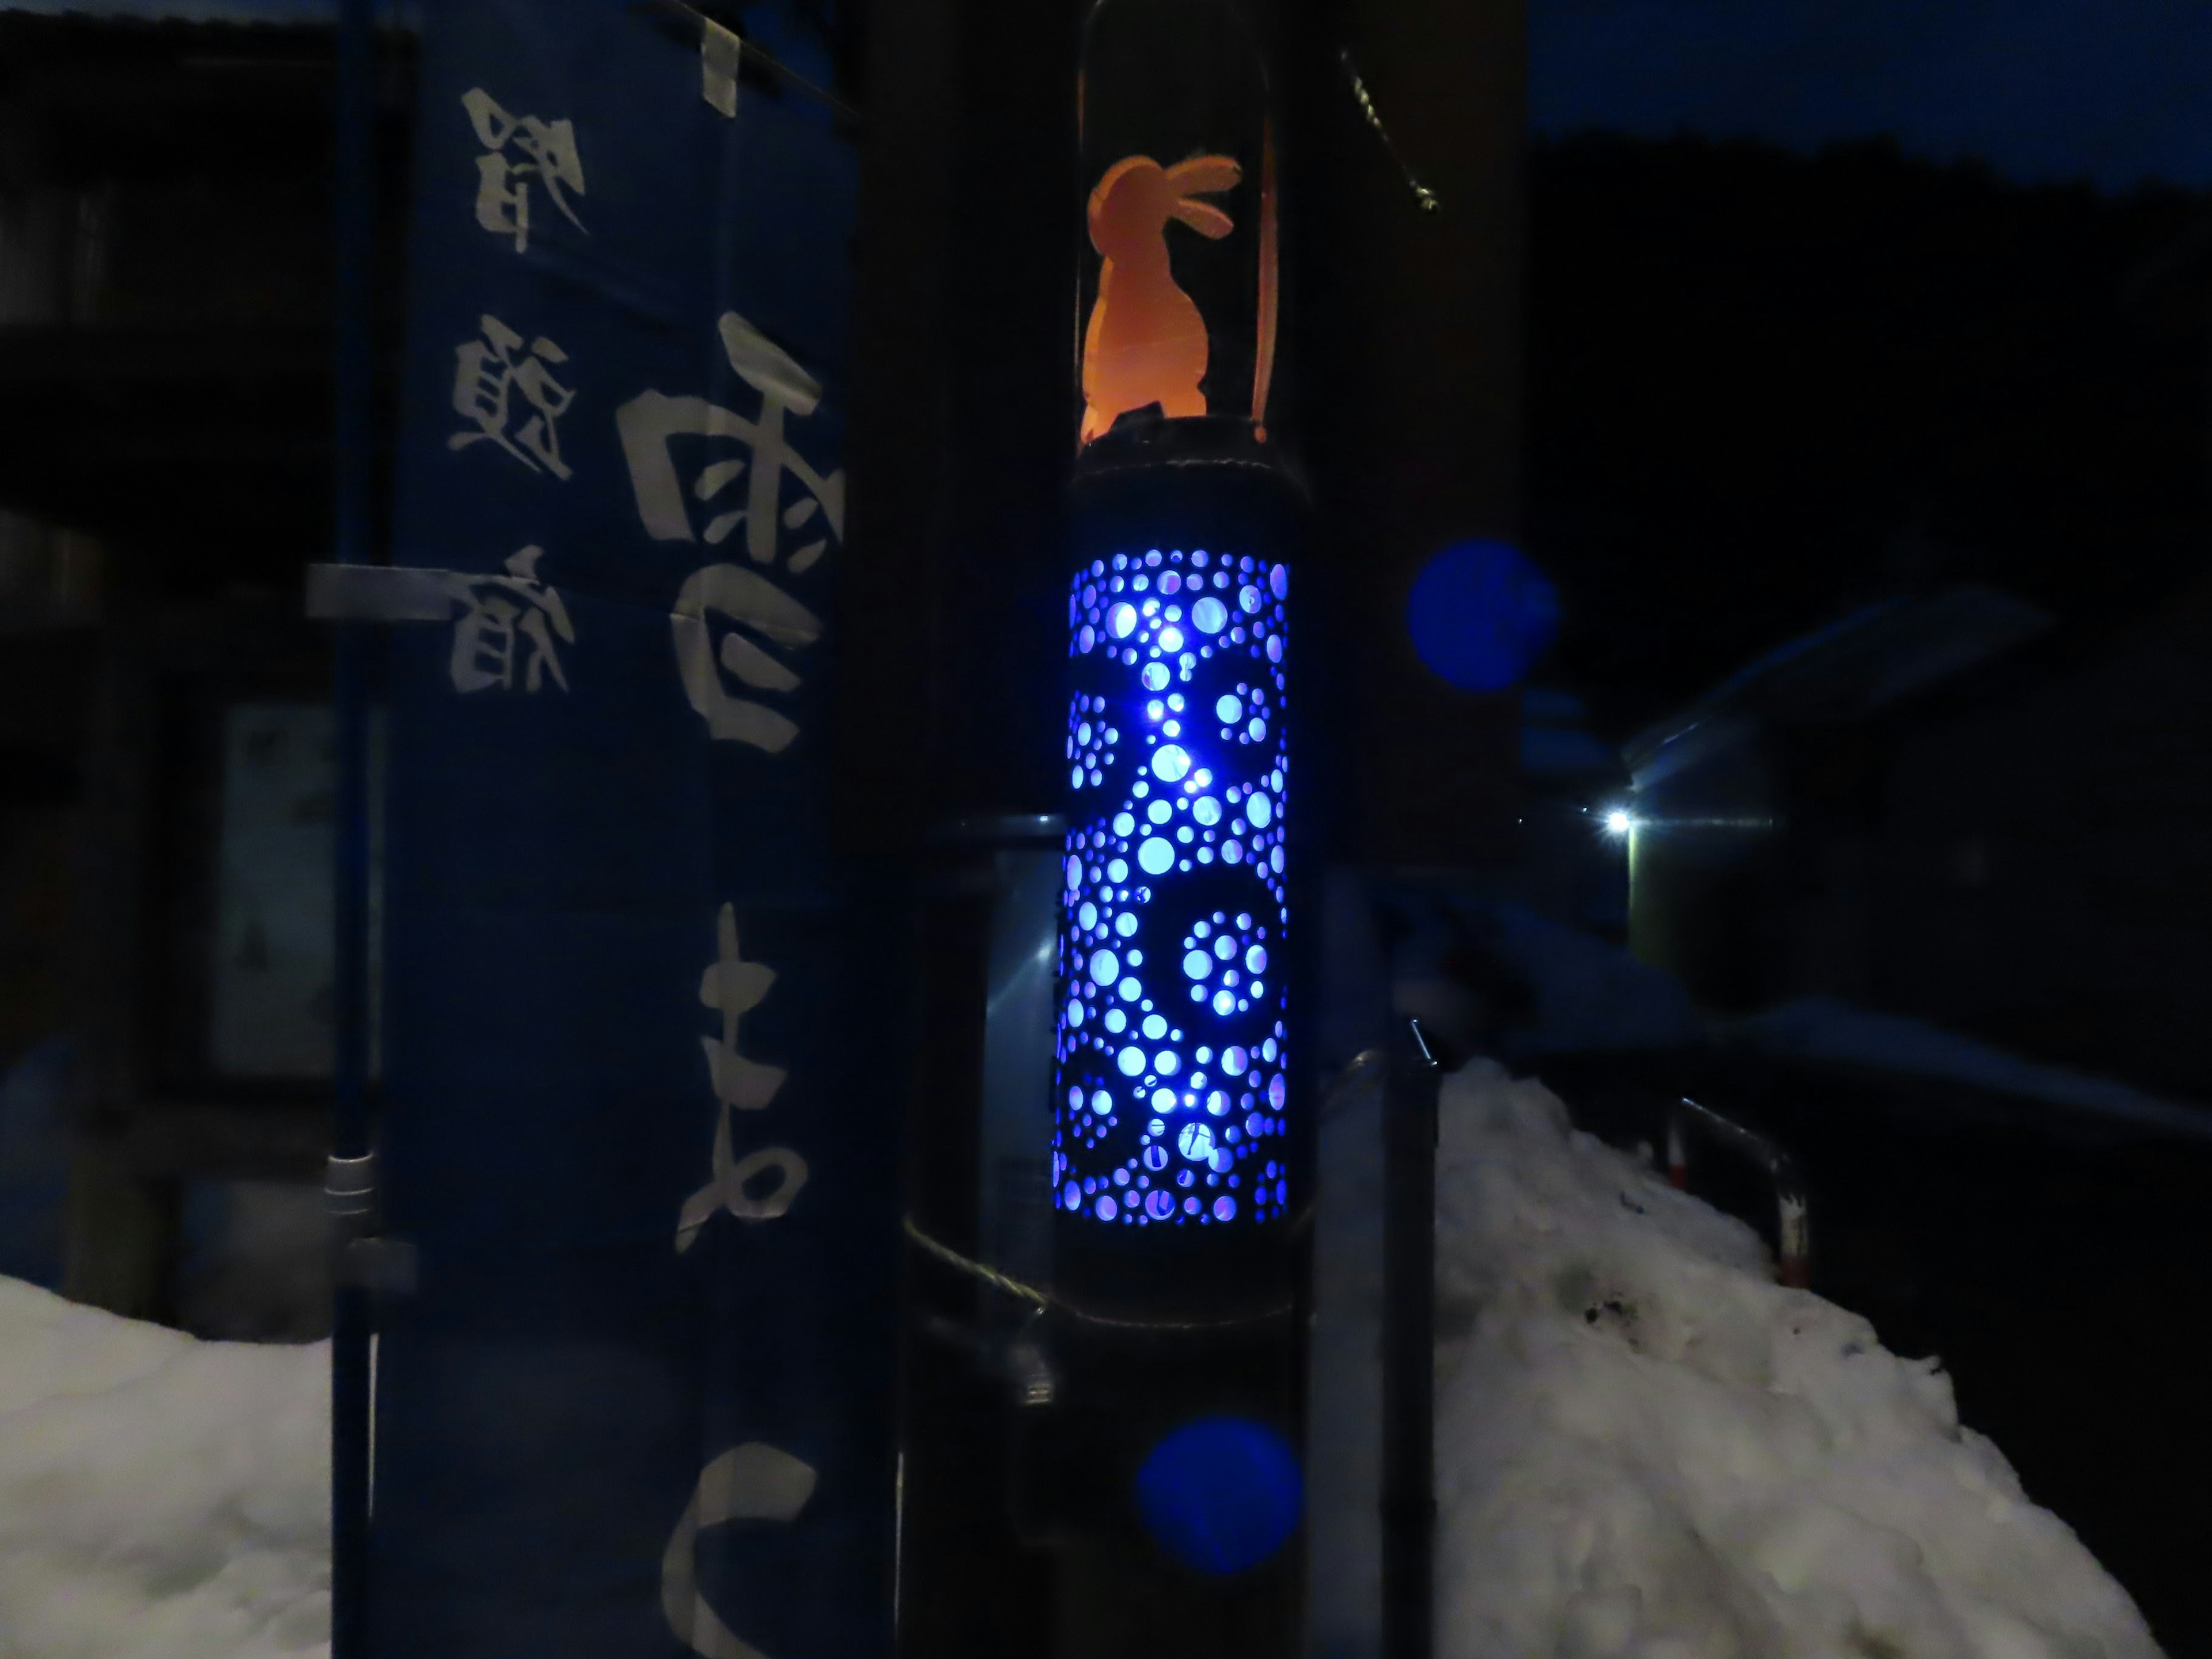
x=364 y=1261
x=381 y=592
x=1030 y=1367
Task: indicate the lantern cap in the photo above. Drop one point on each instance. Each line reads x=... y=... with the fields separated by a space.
x=1208 y=454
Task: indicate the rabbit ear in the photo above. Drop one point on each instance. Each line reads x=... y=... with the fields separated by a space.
x=1207 y=221
x=1203 y=174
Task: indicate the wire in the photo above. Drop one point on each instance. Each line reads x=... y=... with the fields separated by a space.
x=1422 y=193
x=991 y=1276
x=1045 y=1301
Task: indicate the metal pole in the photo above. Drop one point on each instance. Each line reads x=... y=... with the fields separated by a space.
x=1409 y=1254
x=353 y=483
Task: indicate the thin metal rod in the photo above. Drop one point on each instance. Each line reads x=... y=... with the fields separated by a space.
x=1792 y=1213
x=353 y=484
x=1409 y=1276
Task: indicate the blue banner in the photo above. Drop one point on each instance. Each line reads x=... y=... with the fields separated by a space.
x=642 y=1082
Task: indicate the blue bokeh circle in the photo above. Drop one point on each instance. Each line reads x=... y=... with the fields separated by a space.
x=1221 y=1494
x=1481 y=615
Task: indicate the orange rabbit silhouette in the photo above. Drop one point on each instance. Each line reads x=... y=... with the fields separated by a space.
x=1147 y=342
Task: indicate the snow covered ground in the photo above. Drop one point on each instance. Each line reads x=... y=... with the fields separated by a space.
x=1647 y=1448
x=159 y=1496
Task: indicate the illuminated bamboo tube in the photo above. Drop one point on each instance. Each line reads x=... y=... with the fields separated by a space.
x=1173 y=1035
x=1173 y=1093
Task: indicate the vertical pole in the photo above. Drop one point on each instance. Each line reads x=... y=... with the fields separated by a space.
x=353 y=483
x=1409 y=1250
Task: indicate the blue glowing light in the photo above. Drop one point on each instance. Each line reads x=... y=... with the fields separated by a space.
x=1481 y=615
x=1223 y=1493
x=1174 y=849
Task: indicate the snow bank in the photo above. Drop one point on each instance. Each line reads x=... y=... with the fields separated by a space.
x=1645 y=1447
x=159 y=1495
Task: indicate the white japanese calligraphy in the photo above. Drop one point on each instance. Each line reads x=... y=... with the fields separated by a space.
x=755 y=1481
x=497 y=611
x=734 y=988
x=743 y=597
x=488 y=376
x=648 y=425
x=518 y=148
x=755 y=620
x=648 y=422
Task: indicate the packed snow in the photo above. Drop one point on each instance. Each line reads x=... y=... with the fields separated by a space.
x=159 y=1495
x=1645 y=1447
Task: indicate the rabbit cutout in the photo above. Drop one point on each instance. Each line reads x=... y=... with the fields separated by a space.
x=1147 y=342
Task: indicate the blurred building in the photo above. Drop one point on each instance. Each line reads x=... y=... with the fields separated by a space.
x=1946 y=808
x=165 y=291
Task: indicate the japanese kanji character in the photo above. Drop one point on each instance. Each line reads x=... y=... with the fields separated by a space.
x=734 y=987
x=518 y=147
x=488 y=376
x=648 y=422
x=498 y=608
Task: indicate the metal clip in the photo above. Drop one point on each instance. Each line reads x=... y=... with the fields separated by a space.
x=1036 y=1384
x=350 y=1188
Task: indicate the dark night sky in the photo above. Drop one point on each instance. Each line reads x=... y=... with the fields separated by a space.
x=2111 y=90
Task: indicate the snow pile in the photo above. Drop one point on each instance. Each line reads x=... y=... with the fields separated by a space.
x=159 y=1495
x=1645 y=1447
